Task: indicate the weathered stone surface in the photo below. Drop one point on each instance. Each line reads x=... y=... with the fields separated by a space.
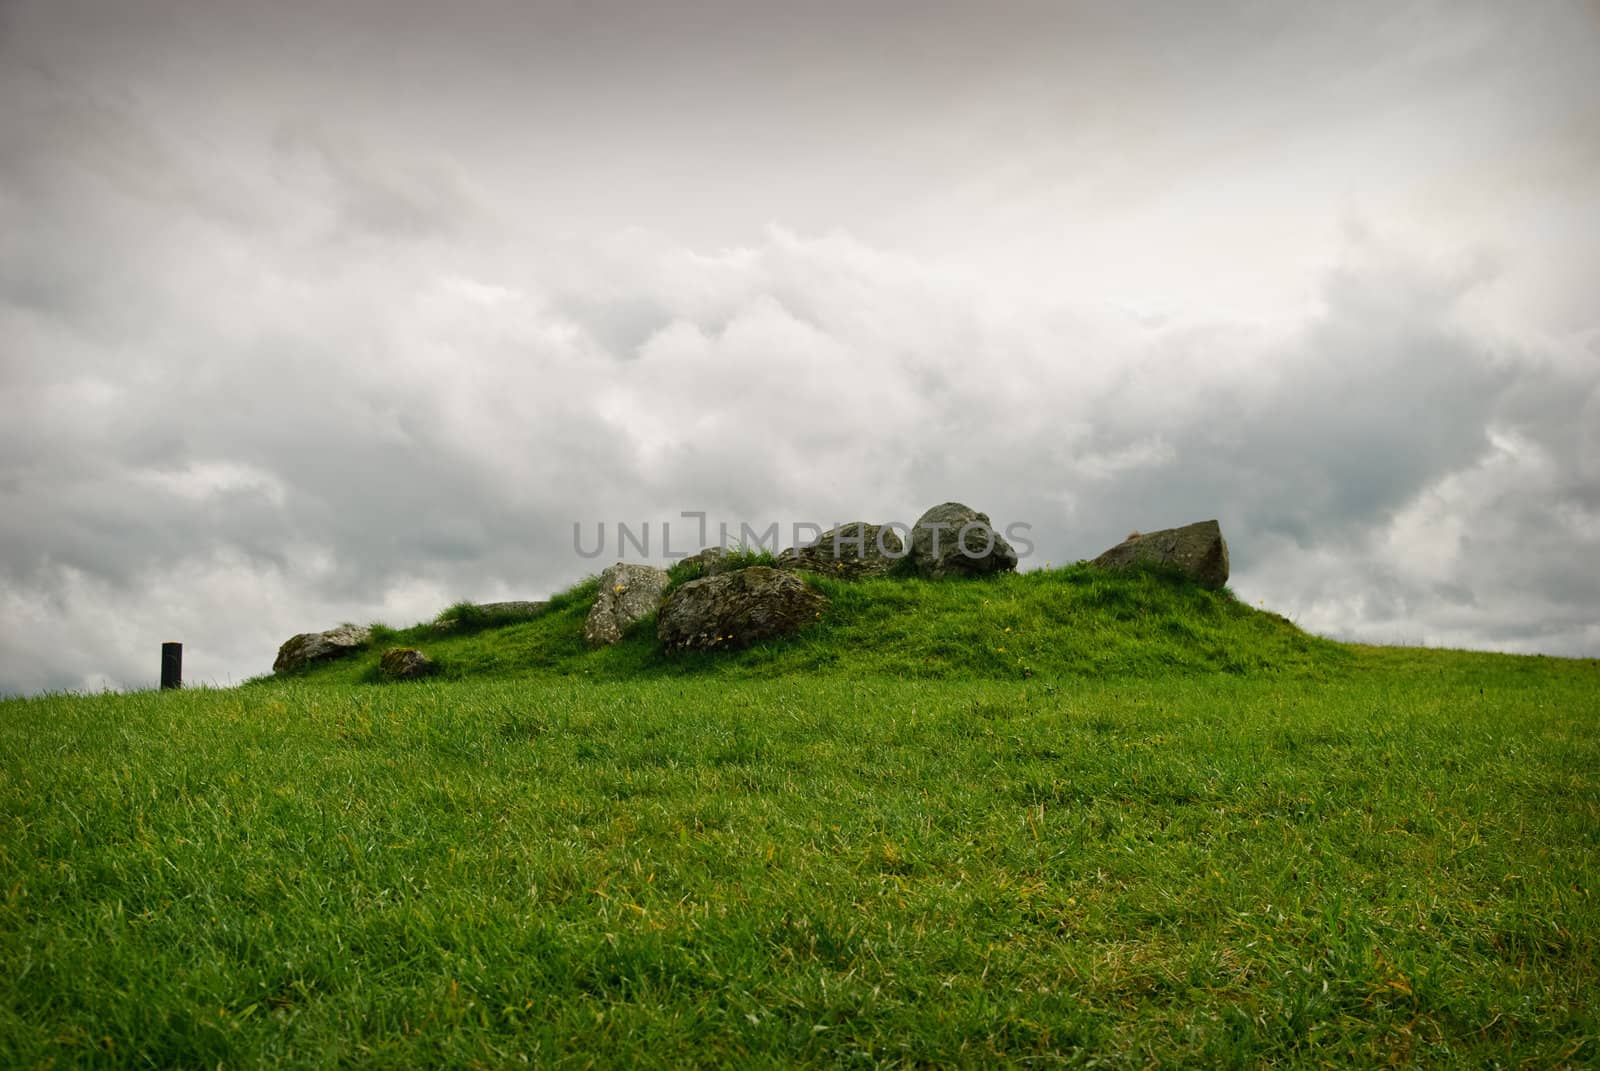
x=493 y=615
x=300 y=651
x=520 y=610
x=710 y=561
x=851 y=551
x=956 y=540
x=405 y=664
x=736 y=609
x=1196 y=550
x=628 y=594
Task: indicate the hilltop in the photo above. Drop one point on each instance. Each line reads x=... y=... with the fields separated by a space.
x=1051 y=623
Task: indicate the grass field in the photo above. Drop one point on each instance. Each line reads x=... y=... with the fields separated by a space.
x=1178 y=833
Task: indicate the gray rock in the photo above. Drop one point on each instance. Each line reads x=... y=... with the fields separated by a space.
x=710 y=561
x=956 y=540
x=736 y=609
x=628 y=594
x=405 y=664
x=1198 y=551
x=300 y=651
x=493 y=615
x=521 y=610
x=851 y=551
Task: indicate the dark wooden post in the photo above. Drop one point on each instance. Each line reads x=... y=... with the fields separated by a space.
x=171 y=665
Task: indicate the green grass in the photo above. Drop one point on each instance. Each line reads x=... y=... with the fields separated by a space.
x=1047 y=624
x=873 y=846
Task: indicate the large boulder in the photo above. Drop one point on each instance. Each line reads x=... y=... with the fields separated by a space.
x=628 y=595
x=1196 y=550
x=956 y=540
x=300 y=651
x=851 y=551
x=405 y=664
x=736 y=609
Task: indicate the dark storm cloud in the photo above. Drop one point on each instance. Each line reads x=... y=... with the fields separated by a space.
x=1327 y=434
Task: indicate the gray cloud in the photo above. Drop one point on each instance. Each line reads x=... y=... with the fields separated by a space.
x=307 y=317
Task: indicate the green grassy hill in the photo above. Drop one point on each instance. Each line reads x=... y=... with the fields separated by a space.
x=1177 y=833
x=1075 y=621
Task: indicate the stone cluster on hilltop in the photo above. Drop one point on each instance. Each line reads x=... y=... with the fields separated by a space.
x=734 y=600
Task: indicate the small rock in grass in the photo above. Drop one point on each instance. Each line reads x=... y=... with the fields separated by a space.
x=405 y=664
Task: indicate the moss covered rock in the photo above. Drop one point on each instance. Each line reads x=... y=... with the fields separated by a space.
x=850 y=551
x=405 y=663
x=736 y=609
x=1196 y=550
x=952 y=539
x=628 y=594
x=300 y=651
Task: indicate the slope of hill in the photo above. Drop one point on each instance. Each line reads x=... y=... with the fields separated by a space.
x=1070 y=622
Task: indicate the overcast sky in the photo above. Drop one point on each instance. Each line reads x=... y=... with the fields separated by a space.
x=315 y=312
